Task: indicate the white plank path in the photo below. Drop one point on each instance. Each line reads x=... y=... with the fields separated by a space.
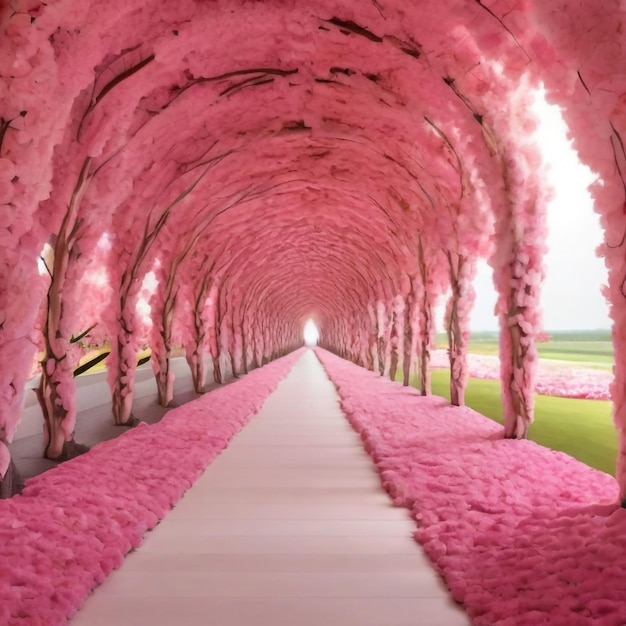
x=289 y=526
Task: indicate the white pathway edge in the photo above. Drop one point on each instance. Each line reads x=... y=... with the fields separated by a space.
x=288 y=526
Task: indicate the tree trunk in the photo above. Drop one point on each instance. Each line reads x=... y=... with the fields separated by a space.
x=59 y=445
x=458 y=311
x=518 y=407
x=425 y=374
x=57 y=391
x=254 y=362
x=393 y=357
x=426 y=327
x=56 y=395
x=455 y=351
x=163 y=375
x=380 y=344
x=234 y=370
x=162 y=344
x=215 y=340
x=258 y=351
x=217 y=370
x=408 y=339
x=53 y=411
x=122 y=380
x=195 y=360
x=194 y=353
x=518 y=272
x=371 y=346
x=393 y=364
x=244 y=349
x=10 y=482
x=164 y=380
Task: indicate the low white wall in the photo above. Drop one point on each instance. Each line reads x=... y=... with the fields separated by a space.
x=93 y=390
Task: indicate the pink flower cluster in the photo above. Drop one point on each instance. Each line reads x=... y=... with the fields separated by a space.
x=73 y=525
x=522 y=535
x=553 y=377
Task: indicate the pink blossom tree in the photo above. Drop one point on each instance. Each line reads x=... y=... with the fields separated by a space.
x=66 y=318
x=518 y=274
x=30 y=124
x=579 y=58
x=134 y=251
x=71 y=317
x=195 y=333
x=463 y=237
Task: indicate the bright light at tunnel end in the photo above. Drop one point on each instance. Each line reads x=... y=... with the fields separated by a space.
x=311 y=334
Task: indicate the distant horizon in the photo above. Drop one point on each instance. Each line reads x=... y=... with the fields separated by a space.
x=548 y=330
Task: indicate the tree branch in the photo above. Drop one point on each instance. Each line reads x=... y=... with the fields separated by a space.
x=114 y=82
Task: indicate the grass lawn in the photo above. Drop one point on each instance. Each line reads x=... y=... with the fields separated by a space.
x=581 y=428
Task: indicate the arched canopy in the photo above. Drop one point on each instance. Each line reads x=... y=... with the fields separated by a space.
x=316 y=159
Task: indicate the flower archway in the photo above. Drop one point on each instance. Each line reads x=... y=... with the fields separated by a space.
x=270 y=160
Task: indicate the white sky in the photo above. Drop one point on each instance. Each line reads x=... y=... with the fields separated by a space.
x=311 y=334
x=571 y=297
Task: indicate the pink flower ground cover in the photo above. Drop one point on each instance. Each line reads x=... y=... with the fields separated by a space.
x=554 y=378
x=74 y=524
x=521 y=534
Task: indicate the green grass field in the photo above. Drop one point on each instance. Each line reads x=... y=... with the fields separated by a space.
x=586 y=348
x=582 y=428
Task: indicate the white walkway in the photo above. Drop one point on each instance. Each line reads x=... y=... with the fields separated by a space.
x=288 y=527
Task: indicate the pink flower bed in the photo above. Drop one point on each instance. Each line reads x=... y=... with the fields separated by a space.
x=74 y=524
x=521 y=534
x=554 y=378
